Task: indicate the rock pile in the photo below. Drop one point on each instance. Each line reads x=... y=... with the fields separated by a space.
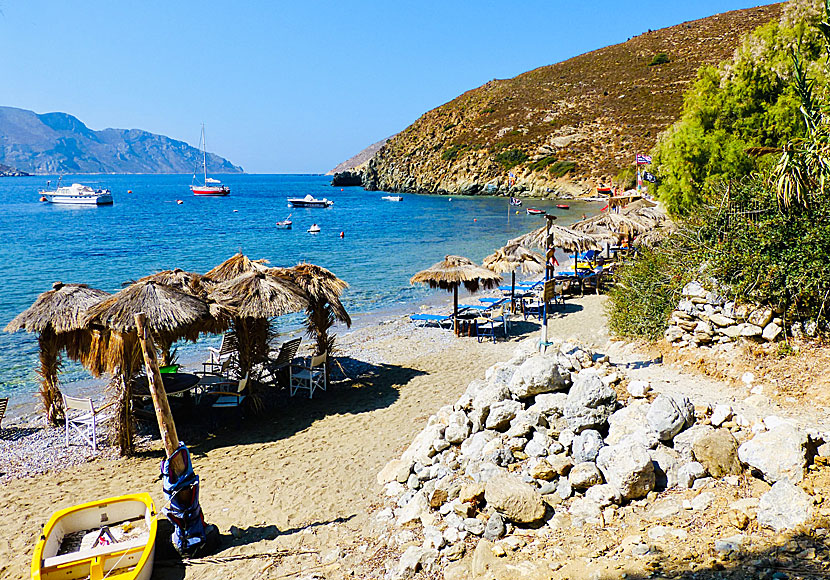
x=704 y=318
x=545 y=436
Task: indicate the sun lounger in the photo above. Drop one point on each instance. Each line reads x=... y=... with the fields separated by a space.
x=4 y=402
x=432 y=319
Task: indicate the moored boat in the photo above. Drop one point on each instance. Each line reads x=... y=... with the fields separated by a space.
x=309 y=201
x=112 y=538
x=535 y=211
x=212 y=187
x=392 y=197
x=563 y=206
x=77 y=194
x=285 y=224
x=314 y=229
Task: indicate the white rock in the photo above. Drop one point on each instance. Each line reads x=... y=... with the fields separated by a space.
x=630 y=420
x=628 y=467
x=784 y=507
x=684 y=442
x=702 y=501
x=473 y=446
x=658 y=533
x=584 y=475
x=694 y=290
x=586 y=446
x=721 y=414
x=589 y=404
x=583 y=511
x=458 y=428
x=689 y=473
x=502 y=413
x=433 y=538
x=538 y=374
x=415 y=558
x=667 y=416
x=666 y=465
x=603 y=495
x=413 y=510
x=549 y=404
x=771 y=332
x=780 y=453
x=421 y=447
x=638 y=388
x=729 y=545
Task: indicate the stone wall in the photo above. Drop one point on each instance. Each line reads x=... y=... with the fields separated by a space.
x=704 y=318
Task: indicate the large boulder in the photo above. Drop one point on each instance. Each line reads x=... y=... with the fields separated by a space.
x=684 y=442
x=784 y=507
x=668 y=414
x=458 y=428
x=779 y=454
x=519 y=502
x=485 y=397
x=537 y=375
x=628 y=467
x=718 y=453
x=590 y=403
x=421 y=449
x=584 y=475
x=630 y=420
x=502 y=413
x=549 y=405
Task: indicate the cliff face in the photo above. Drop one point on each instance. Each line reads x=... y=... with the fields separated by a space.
x=358 y=160
x=60 y=143
x=562 y=128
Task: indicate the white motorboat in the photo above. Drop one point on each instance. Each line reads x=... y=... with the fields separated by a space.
x=314 y=229
x=309 y=201
x=393 y=197
x=77 y=194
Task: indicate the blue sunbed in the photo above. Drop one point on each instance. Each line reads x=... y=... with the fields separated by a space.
x=427 y=319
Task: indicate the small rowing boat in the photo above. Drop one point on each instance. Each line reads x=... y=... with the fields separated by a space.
x=112 y=538
x=563 y=206
x=285 y=224
x=535 y=211
x=393 y=197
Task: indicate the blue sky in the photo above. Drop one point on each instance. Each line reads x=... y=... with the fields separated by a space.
x=292 y=87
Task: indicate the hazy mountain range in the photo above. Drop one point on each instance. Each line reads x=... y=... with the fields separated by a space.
x=60 y=143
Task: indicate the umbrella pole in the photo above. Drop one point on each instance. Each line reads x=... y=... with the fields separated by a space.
x=513 y=291
x=455 y=309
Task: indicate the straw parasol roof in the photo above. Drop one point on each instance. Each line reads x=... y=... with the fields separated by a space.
x=452 y=272
x=514 y=256
x=565 y=238
x=183 y=281
x=61 y=308
x=260 y=294
x=613 y=222
x=639 y=204
x=235 y=266
x=57 y=317
x=657 y=234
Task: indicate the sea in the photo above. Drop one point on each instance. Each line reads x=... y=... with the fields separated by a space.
x=156 y=224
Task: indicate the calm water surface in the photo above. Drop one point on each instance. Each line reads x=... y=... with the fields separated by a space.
x=145 y=231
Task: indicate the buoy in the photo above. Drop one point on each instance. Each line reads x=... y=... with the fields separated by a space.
x=180 y=202
x=129 y=191
x=517 y=212
x=342 y=234
x=475 y=220
x=449 y=199
x=341 y=189
x=43 y=198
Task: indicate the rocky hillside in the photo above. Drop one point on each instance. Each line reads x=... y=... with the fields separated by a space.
x=359 y=159
x=561 y=128
x=60 y=143
x=6 y=171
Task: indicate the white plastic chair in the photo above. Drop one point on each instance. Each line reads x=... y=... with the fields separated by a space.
x=228 y=399
x=83 y=422
x=218 y=358
x=311 y=377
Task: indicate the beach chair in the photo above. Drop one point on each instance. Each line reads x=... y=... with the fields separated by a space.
x=488 y=326
x=81 y=419
x=231 y=399
x=432 y=319
x=217 y=356
x=311 y=376
x=4 y=402
x=276 y=367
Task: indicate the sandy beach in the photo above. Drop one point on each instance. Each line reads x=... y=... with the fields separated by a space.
x=304 y=473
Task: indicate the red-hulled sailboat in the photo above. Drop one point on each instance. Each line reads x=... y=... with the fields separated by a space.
x=211 y=187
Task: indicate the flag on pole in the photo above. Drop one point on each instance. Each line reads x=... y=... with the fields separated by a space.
x=643 y=159
x=649 y=177
x=515 y=201
x=639 y=180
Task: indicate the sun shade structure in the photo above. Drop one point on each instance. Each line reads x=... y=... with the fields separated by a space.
x=171 y=315
x=323 y=290
x=511 y=258
x=234 y=266
x=257 y=296
x=454 y=271
x=183 y=281
x=656 y=235
x=57 y=317
x=562 y=237
x=613 y=223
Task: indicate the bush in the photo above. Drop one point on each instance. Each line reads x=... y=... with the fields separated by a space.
x=562 y=168
x=659 y=58
x=511 y=158
x=645 y=293
x=452 y=153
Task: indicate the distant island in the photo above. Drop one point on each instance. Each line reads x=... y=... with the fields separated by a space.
x=50 y=143
x=6 y=171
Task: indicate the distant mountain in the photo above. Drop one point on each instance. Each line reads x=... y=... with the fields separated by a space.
x=60 y=143
x=359 y=159
x=6 y=171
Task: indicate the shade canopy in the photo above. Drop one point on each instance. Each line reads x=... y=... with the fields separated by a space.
x=454 y=271
x=613 y=222
x=320 y=284
x=235 y=266
x=656 y=235
x=565 y=238
x=514 y=257
x=183 y=281
x=260 y=294
x=63 y=308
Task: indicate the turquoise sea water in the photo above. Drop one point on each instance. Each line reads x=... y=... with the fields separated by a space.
x=145 y=231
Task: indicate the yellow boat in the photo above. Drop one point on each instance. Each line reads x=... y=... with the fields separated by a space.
x=112 y=538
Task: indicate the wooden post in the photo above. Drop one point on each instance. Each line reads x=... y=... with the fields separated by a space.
x=167 y=427
x=455 y=309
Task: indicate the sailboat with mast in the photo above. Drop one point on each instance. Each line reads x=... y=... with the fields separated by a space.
x=211 y=187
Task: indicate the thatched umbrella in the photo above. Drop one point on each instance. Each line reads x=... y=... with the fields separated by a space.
x=171 y=315
x=561 y=237
x=510 y=258
x=183 y=281
x=613 y=222
x=257 y=296
x=56 y=316
x=656 y=235
x=235 y=266
x=454 y=271
x=323 y=290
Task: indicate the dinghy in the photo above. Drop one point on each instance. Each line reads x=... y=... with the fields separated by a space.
x=534 y=211
x=112 y=538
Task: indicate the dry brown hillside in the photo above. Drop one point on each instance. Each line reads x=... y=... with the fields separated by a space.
x=563 y=127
